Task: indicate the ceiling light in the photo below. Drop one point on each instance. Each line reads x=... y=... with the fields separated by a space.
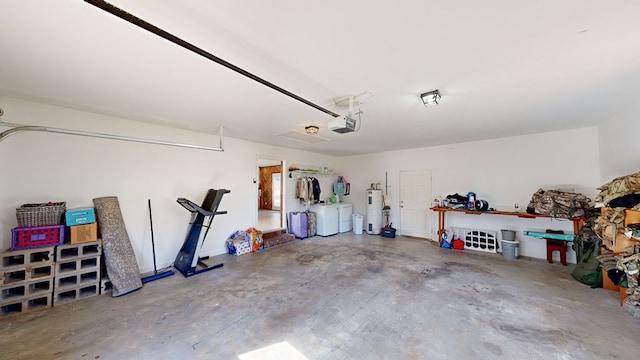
x=311 y=129
x=431 y=98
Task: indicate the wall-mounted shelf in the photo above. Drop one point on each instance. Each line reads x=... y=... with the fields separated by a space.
x=294 y=174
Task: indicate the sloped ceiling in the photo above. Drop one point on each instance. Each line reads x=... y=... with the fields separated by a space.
x=503 y=68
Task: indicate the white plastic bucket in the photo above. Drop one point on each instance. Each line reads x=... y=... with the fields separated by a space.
x=357 y=223
x=510 y=249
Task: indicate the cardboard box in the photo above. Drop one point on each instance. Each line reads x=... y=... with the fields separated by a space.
x=83 y=233
x=79 y=216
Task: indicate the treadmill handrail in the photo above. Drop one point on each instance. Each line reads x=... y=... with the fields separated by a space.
x=192 y=207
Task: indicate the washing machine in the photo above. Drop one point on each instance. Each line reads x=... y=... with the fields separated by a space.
x=327 y=217
x=345 y=210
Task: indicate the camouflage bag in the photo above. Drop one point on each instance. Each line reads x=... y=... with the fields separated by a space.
x=558 y=204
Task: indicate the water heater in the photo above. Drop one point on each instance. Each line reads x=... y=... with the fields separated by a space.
x=374 y=211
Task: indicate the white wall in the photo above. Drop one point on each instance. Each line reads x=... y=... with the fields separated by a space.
x=501 y=171
x=41 y=167
x=38 y=167
x=620 y=144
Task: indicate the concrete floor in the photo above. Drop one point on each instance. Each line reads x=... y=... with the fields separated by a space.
x=342 y=297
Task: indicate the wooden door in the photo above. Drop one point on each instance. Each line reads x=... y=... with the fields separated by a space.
x=266 y=195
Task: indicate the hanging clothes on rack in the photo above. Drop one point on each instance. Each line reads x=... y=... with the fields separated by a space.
x=307 y=189
x=312 y=199
x=302 y=189
x=315 y=184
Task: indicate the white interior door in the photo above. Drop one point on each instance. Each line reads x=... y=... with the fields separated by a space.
x=415 y=197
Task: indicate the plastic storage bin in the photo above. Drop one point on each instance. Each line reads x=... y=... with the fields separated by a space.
x=358 y=220
x=36 y=236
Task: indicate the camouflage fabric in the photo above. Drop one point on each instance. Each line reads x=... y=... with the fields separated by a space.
x=608 y=261
x=559 y=204
x=312 y=224
x=630 y=265
x=633 y=296
x=623 y=185
x=607 y=225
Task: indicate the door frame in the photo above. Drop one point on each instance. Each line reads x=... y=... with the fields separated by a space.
x=269 y=160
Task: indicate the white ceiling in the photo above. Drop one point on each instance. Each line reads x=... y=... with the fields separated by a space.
x=503 y=67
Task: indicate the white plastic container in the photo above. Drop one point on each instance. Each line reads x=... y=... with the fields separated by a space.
x=357 y=223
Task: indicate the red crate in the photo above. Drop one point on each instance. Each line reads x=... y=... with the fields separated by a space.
x=36 y=236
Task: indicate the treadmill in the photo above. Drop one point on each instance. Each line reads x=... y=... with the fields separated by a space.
x=188 y=261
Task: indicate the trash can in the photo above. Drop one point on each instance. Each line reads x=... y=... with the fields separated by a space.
x=510 y=249
x=357 y=223
x=509 y=244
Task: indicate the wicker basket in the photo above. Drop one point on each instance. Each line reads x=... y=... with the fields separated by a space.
x=41 y=214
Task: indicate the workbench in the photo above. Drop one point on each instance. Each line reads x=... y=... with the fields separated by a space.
x=577 y=222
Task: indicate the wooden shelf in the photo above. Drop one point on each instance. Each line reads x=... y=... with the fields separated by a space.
x=470 y=212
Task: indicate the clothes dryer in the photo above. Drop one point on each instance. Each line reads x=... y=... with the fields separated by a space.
x=345 y=210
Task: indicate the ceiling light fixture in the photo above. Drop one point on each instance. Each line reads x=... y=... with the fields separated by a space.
x=430 y=98
x=311 y=129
